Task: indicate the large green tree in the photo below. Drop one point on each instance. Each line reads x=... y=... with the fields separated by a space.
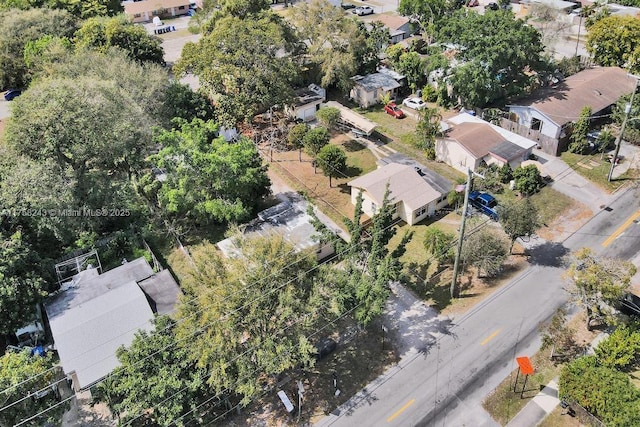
x=20 y=27
x=518 y=219
x=246 y=65
x=599 y=284
x=22 y=284
x=21 y=375
x=333 y=41
x=615 y=41
x=428 y=14
x=207 y=179
x=157 y=380
x=499 y=53
x=254 y=315
x=103 y=33
x=90 y=136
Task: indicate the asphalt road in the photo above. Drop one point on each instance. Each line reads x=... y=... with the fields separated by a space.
x=443 y=385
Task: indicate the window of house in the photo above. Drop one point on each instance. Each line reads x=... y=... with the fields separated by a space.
x=137 y=15
x=420 y=212
x=181 y=7
x=374 y=207
x=536 y=124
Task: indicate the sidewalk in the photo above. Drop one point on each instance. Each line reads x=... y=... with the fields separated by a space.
x=538 y=408
x=546 y=401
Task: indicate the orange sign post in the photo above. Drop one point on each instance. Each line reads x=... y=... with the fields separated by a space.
x=524 y=366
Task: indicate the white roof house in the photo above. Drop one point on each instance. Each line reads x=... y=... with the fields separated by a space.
x=289 y=219
x=94 y=314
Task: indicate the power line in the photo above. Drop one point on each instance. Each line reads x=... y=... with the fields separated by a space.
x=200 y=329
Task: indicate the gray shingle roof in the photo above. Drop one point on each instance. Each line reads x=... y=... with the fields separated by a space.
x=374 y=81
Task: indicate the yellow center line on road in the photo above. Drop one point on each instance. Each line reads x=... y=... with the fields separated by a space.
x=490 y=337
x=401 y=410
x=621 y=229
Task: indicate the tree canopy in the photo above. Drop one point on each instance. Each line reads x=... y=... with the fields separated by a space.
x=486 y=250
x=245 y=64
x=599 y=283
x=615 y=41
x=208 y=180
x=92 y=133
x=20 y=27
x=20 y=375
x=254 y=315
x=518 y=219
x=333 y=41
x=22 y=283
x=332 y=160
x=528 y=179
x=156 y=371
x=103 y=33
x=499 y=53
x=605 y=392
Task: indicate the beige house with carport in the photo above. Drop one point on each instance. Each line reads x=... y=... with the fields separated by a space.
x=413 y=198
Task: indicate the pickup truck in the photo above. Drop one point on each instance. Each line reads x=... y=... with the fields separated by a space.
x=485 y=203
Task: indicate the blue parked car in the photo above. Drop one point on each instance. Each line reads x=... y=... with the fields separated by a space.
x=12 y=93
x=485 y=203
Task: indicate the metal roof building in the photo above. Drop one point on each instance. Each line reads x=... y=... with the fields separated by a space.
x=94 y=314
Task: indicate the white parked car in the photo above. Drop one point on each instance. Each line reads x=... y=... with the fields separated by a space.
x=415 y=103
x=363 y=10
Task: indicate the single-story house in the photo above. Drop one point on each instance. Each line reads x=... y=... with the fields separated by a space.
x=367 y=90
x=414 y=199
x=290 y=219
x=470 y=141
x=94 y=314
x=552 y=111
x=399 y=26
x=306 y=103
x=145 y=10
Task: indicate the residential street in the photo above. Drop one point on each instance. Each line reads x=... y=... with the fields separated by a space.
x=444 y=384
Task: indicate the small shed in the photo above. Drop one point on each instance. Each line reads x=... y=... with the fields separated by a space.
x=306 y=103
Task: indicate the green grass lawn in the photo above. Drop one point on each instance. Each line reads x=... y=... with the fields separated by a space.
x=596 y=170
x=387 y=124
x=550 y=203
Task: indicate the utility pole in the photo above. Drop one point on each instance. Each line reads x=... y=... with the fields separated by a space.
x=465 y=208
x=627 y=110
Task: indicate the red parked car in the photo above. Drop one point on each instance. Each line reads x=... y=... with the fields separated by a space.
x=392 y=109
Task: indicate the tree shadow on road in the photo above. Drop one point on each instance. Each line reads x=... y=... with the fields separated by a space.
x=548 y=254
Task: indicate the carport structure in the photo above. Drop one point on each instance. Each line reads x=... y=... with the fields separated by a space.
x=354 y=120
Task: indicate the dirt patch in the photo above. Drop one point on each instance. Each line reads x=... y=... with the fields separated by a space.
x=567 y=223
x=472 y=289
x=355 y=363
